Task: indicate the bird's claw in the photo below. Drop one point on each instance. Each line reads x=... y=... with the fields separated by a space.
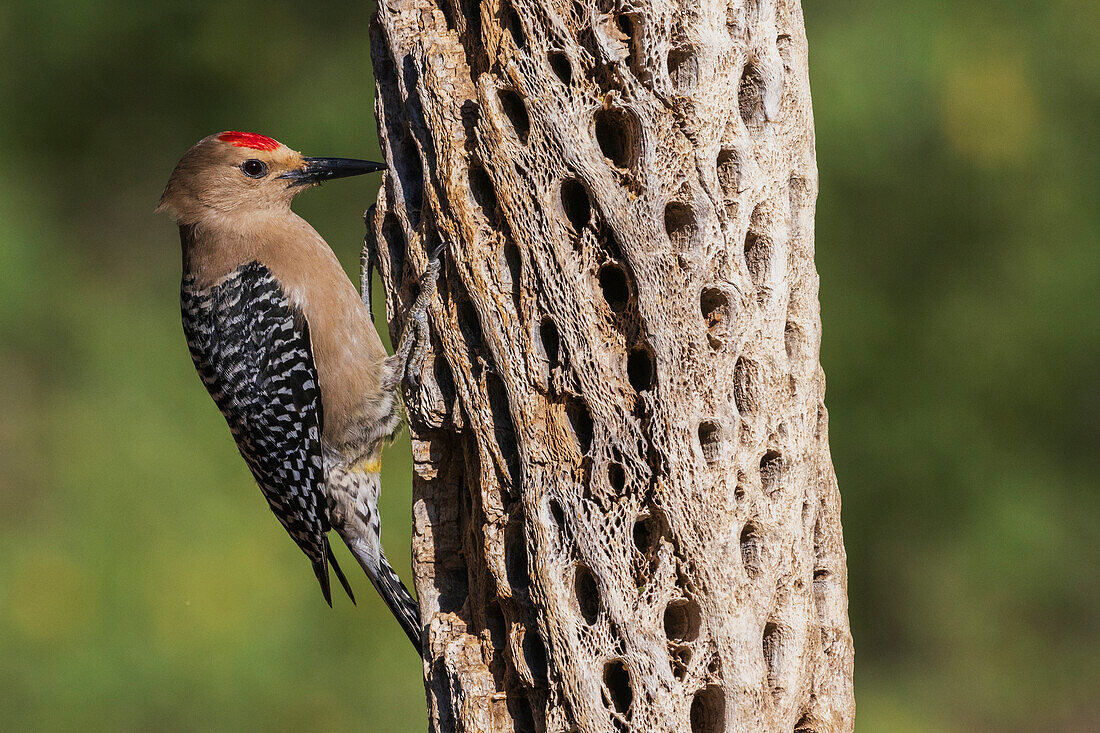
x=415 y=339
x=435 y=255
x=419 y=350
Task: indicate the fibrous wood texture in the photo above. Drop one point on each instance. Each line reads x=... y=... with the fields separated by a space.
x=626 y=517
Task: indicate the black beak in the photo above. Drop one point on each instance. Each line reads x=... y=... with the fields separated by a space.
x=319 y=170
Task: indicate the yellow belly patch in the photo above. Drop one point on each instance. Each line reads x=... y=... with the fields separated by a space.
x=370 y=465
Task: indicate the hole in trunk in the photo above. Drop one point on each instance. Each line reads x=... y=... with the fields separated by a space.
x=519 y=706
x=515 y=557
x=513 y=267
x=616 y=477
x=771 y=470
x=729 y=175
x=504 y=430
x=561 y=67
x=773 y=654
x=588 y=594
x=750 y=98
x=804 y=725
x=758 y=251
x=444 y=378
x=617 y=133
x=617 y=679
x=639 y=369
x=469 y=324
x=683 y=70
x=575 y=203
x=793 y=339
x=516 y=111
x=557 y=514
x=708 y=710
x=534 y=655
x=615 y=286
x=632 y=26
x=710 y=436
x=751 y=550
x=680 y=226
x=682 y=620
x=643 y=534
x=580 y=420
x=746 y=388
x=822 y=581
x=548 y=335
x=717 y=312
x=483 y=191
x=510 y=20
x=494 y=622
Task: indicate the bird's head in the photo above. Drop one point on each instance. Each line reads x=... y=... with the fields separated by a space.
x=243 y=173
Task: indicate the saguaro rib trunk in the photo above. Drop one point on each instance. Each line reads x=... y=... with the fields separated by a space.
x=626 y=517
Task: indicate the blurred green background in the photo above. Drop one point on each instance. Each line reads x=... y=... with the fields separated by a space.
x=144 y=585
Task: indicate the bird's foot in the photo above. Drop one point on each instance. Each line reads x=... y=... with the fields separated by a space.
x=415 y=339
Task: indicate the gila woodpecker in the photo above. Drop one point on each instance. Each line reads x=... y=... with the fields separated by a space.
x=288 y=350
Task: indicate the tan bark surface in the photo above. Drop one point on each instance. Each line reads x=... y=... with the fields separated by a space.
x=626 y=516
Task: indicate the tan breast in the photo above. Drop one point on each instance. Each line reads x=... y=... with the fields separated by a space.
x=347 y=350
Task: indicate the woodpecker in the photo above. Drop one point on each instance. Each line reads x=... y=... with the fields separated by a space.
x=288 y=350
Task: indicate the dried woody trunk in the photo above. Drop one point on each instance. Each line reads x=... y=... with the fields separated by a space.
x=626 y=517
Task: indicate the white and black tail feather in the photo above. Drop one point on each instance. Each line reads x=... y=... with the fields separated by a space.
x=388 y=584
x=398 y=598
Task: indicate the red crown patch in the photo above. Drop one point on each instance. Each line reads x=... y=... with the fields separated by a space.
x=249 y=140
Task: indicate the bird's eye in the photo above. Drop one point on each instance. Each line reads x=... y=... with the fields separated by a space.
x=254 y=168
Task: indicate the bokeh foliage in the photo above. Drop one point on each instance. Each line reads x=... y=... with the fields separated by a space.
x=143 y=584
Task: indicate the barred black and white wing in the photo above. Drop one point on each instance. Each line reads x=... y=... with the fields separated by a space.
x=252 y=351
